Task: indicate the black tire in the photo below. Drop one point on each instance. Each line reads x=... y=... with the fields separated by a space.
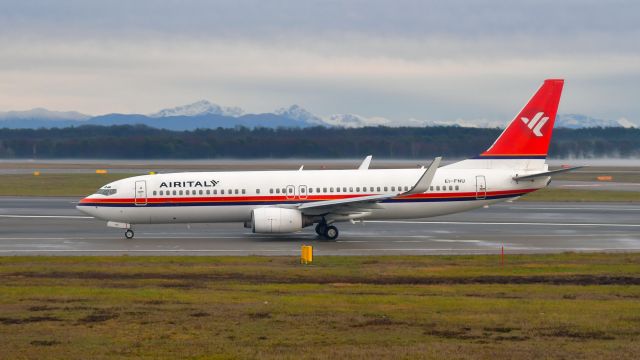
x=128 y=234
x=331 y=232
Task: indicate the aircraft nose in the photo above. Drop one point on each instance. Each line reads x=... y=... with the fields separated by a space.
x=84 y=208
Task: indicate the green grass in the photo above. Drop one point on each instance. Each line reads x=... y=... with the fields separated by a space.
x=536 y=306
x=85 y=184
x=55 y=184
x=552 y=194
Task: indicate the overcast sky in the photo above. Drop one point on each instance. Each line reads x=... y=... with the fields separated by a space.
x=396 y=59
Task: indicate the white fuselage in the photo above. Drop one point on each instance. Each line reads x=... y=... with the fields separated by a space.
x=211 y=197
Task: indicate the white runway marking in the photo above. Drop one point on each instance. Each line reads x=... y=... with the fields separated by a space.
x=496 y=223
x=605 y=208
x=47 y=216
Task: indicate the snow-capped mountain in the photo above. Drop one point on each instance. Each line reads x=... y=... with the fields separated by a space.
x=577 y=121
x=476 y=123
x=202 y=107
x=355 y=120
x=205 y=115
x=295 y=112
x=41 y=113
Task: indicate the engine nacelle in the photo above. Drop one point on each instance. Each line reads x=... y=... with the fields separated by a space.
x=277 y=220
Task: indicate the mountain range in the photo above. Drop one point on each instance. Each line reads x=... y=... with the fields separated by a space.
x=205 y=114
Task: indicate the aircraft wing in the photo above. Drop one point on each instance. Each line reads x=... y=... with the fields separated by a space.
x=546 y=173
x=363 y=204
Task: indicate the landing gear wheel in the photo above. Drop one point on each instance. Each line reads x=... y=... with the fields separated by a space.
x=128 y=234
x=331 y=232
x=320 y=229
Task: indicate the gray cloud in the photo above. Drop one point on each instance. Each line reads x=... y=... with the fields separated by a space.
x=396 y=59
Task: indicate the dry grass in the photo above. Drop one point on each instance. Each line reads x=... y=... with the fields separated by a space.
x=537 y=306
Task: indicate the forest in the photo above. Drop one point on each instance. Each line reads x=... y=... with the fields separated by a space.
x=142 y=142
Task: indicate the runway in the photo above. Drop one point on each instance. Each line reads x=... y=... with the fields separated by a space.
x=52 y=226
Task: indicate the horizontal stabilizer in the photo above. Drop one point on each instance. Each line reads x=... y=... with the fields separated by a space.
x=546 y=173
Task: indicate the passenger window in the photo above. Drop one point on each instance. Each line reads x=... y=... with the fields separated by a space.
x=393 y=188
x=174 y=192
x=186 y=192
x=457 y=187
x=310 y=190
x=236 y=191
x=278 y=191
x=450 y=187
x=378 y=188
x=200 y=192
x=385 y=188
x=257 y=191
x=208 y=192
x=324 y=190
x=215 y=192
x=290 y=190
x=331 y=189
x=154 y=192
x=438 y=188
x=358 y=189
x=406 y=188
x=338 y=189
x=161 y=192
x=371 y=189
x=221 y=192
x=284 y=190
x=350 y=189
x=180 y=192
x=344 y=189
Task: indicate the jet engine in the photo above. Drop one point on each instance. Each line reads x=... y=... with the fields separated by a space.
x=278 y=220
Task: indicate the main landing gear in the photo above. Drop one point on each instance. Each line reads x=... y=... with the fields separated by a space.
x=329 y=232
x=128 y=234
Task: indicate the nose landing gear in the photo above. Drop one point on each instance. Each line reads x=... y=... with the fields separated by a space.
x=128 y=234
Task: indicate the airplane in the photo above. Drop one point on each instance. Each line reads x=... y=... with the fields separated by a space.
x=275 y=202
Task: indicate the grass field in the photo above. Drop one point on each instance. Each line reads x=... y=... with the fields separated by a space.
x=535 y=306
x=55 y=184
x=85 y=184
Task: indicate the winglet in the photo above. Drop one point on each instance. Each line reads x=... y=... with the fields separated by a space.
x=425 y=181
x=365 y=163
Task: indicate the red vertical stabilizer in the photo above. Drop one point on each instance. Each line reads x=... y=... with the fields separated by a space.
x=529 y=134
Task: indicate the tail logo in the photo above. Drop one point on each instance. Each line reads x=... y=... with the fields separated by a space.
x=536 y=123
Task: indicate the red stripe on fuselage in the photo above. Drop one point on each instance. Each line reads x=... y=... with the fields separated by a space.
x=231 y=199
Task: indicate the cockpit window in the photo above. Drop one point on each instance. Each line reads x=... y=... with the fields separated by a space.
x=106 y=192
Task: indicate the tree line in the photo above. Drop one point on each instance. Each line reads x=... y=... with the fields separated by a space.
x=142 y=142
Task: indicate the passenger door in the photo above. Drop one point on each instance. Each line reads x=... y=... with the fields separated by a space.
x=141 y=193
x=302 y=192
x=291 y=192
x=481 y=187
